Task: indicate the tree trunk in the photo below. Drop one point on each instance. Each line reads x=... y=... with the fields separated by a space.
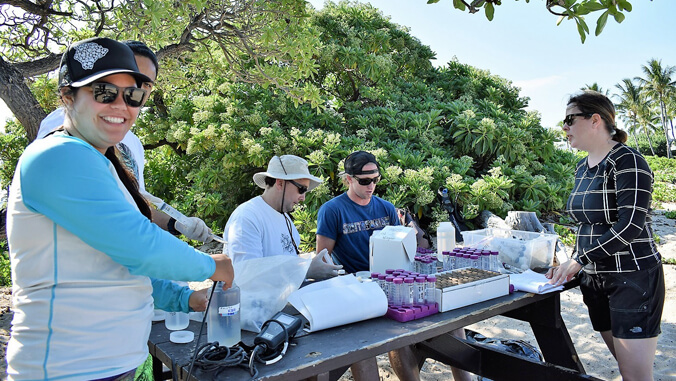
x=20 y=100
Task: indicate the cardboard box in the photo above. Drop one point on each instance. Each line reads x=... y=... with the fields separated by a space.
x=461 y=295
x=392 y=248
x=517 y=248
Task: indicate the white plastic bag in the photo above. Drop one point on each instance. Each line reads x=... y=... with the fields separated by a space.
x=265 y=285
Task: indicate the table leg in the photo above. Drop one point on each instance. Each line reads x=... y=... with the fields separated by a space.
x=550 y=331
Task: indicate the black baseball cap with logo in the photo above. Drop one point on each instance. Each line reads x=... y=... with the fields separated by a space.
x=88 y=60
x=357 y=160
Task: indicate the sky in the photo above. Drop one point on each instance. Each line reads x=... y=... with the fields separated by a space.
x=524 y=45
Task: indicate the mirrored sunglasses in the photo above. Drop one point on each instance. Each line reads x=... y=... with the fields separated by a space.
x=301 y=188
x=368 y=181
x=570 y=118
x=107 y=93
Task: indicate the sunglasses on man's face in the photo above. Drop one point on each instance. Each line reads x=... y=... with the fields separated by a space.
x=107 y=93
x=301 y=188
x=570 y=118
x=368 y=181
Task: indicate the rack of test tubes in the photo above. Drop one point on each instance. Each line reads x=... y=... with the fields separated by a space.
x=410 y=295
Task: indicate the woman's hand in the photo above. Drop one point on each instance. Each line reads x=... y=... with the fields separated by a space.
x=224 y=271
x=198 y=300
x=563 y=273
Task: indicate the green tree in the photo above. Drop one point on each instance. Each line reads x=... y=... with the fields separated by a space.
x=659 y=84
x=575 y=10
x=595 y=87
x=254 y=41
x=633 y=107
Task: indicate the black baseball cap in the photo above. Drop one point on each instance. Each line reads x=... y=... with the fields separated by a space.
x=357 y=160
x=88 y=60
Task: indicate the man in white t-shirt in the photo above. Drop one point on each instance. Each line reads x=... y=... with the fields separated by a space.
x=132 y=152
x=262 y=227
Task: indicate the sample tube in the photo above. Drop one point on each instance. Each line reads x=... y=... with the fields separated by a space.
x=397 y=291
x=430 y=286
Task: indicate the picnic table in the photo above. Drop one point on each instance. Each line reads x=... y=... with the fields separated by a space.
x=326 y=355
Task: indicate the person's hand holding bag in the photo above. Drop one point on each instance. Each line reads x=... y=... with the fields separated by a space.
x=321 y=269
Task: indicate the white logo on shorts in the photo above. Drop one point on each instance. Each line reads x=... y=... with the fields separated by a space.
x=88 y=53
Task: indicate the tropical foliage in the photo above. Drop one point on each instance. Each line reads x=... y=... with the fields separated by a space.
x=576 y=10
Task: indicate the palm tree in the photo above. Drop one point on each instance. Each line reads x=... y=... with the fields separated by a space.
x=633 y=106
x=659 y=85
x=595 y=87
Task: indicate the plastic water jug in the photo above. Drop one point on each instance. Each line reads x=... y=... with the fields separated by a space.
x=445 y=238
x=223 y=318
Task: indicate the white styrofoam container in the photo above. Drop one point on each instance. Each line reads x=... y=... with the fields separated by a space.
x=393 y=247
x=517 y=248
x=462 y=295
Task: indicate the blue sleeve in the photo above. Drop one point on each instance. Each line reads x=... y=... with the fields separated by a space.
x=70 y=182
x=394 y=217
x=328 y=221
x=170 y=296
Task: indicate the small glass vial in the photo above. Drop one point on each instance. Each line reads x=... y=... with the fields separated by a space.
x=397 y=292
x=475 y=262
x=451 y=261
x=485 y=259
x=420 y=290
x=430 y=286
x=495 y=262
x=408 y=292
x=389 y=287
x=382 y=283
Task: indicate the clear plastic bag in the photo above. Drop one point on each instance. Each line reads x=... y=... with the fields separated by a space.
x=265 y=285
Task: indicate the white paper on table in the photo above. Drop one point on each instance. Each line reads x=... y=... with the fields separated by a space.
x=530 y=281
x=338 y=301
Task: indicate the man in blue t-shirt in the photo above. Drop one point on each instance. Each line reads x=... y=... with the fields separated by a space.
x=346 y=222
x=344 y=227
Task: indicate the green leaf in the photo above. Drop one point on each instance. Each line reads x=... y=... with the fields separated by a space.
x=593 y=7
x=490 y=10
x=458 y=4
x=432 y=1
x=581 y=31
x=601 y=22
x=619 y=17
x=624 y=5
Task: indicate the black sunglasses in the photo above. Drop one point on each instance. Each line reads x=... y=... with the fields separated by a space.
x=368 y=181
x=107 y=93
x=301 y=188
x=570 y=118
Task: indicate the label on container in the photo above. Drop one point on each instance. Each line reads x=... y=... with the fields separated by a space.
x=229 y=310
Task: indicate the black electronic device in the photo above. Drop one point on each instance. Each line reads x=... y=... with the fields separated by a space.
x=278 y=330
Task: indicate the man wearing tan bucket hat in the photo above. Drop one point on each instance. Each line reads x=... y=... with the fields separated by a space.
x=262 y=227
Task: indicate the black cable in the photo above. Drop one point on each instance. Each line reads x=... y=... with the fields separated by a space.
x=204 y=319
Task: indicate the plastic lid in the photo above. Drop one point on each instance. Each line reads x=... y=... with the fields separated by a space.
x=382 y=277
x=182 y=337
x=420 y=279
x=474 y=256
x=375 y=275
x=431 y=278
x=398 y=280
x=445 y=253
x=389 y=278
x=389 y=271
x=409 y=280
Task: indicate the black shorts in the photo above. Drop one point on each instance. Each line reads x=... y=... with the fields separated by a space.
x=628 y=304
